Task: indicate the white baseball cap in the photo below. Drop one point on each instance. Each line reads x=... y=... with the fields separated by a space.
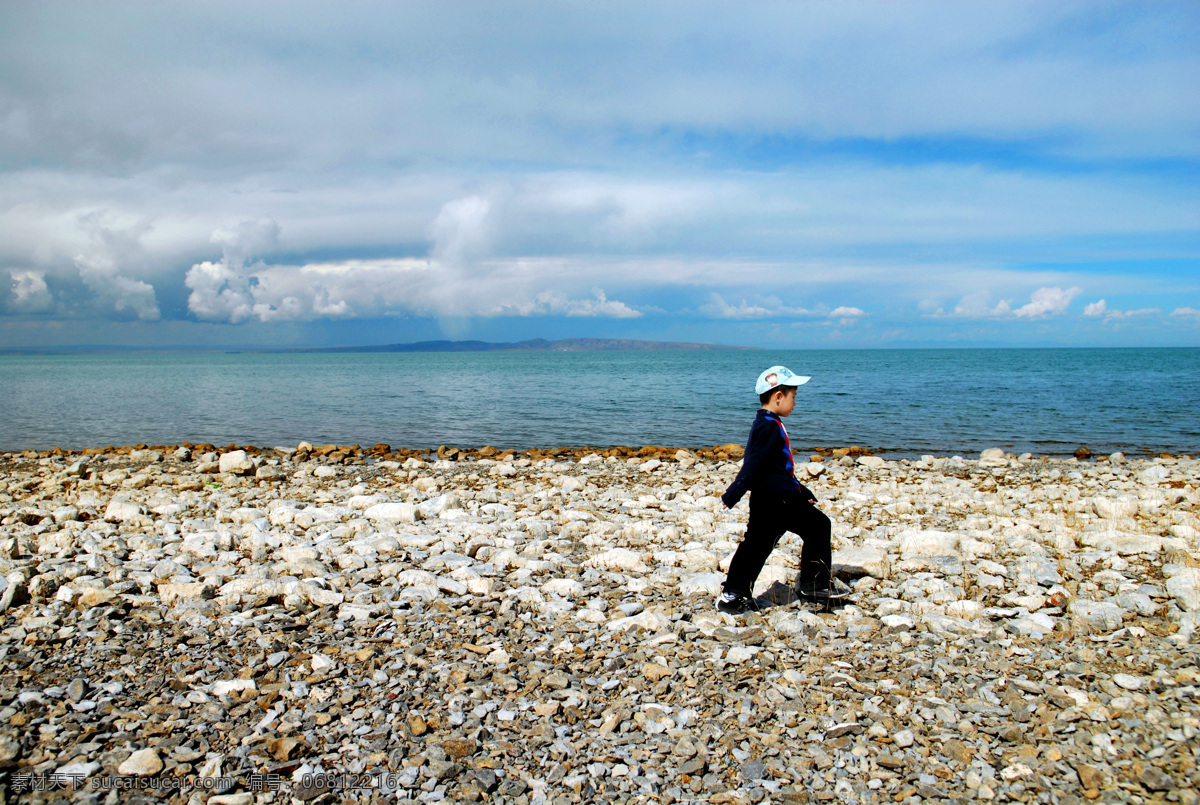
x=778 y=376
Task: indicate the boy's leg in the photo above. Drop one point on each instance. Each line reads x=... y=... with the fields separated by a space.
x=816 y=558
x=763 y=530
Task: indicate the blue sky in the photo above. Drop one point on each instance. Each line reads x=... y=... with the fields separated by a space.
x=776 y=174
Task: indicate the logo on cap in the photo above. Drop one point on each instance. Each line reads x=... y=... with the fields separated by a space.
x=772 y=379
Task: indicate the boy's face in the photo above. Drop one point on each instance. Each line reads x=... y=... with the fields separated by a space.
x=782 y=402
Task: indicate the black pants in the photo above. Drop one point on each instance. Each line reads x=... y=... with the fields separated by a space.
x=770 y=516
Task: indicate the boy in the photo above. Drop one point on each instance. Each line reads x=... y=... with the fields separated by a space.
x=779 y=503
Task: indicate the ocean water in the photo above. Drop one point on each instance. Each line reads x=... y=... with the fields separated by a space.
x=897 y=402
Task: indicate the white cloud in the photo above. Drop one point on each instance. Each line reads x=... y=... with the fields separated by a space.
x=846 y=312
x=1101 y=308
x=112 y=252
x=1043 y=303
x=30 y=293
x=1186 y=312
x=770 y=307
x=1047 y=302
x=1096 y=309
x=461 y=231
x=228 y=291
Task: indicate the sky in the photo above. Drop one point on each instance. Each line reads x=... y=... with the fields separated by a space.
x=775 y=174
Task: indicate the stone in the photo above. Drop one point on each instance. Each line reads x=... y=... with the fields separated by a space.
x=709 y=584
x=236 y=462
x=1100 y=616
x=231 y=686
x=871 y=462
x=860 y=561
x=1128 y=681
x=142 y=763
x=928 y=543
x=120 y=510
x=653 y=672
x=1114 y=508
x=1156 y=779
x=1123 y=543
x=393 y=513
x=1184 y=587
x=959 y=751
x=618 y=559
x=903 y=739
x=241 y=798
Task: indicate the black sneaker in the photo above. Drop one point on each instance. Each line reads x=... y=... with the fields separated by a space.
x=736 y=604
x=835 y=590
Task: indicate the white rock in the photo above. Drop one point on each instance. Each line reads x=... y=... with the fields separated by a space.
x=319 y=596
x=649 y=620
x=897 y=623
x=652 y=464
x=1184 y=587
x=321 y=663
x=122 y=511
x=393 y=513
x=968 y=610
x=621 y=559
x=1112 y=508
x=566 y=588
x=241 y=798
x=1154 y=474
x=993 y=457
x=871 y=462
x=1037 y=625
x=702 y=584
x=1122 y=542
x=324 y=471
x=1129 y=681
x=739 y=654
x=73 y=774
x=228 y=686
x=171 y=594
x=861 y=561
x=141 y=763
x=66 y=514
x=236 y=463
x=929 y=543
x=1103 y=616
x=903 y=739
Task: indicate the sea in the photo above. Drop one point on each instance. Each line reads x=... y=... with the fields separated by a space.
x=898 y=403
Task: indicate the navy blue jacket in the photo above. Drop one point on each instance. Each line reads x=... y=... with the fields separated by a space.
x=767 y=465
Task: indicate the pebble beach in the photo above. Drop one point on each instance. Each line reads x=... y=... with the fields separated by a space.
x=193 y=624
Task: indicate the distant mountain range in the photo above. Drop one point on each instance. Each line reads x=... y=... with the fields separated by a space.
x=534 y=345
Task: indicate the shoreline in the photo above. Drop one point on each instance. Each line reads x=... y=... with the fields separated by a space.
x=530 y=630
x=384 y=452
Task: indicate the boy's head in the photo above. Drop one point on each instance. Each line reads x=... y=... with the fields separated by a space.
x=780 y=383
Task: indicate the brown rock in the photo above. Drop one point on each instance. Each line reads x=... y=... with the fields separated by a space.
x=654 y=671
x=957 y=750
x=1089 y=776
x=459 y=748
x=283 y=748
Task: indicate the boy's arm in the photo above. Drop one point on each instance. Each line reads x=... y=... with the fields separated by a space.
x=760 y=444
